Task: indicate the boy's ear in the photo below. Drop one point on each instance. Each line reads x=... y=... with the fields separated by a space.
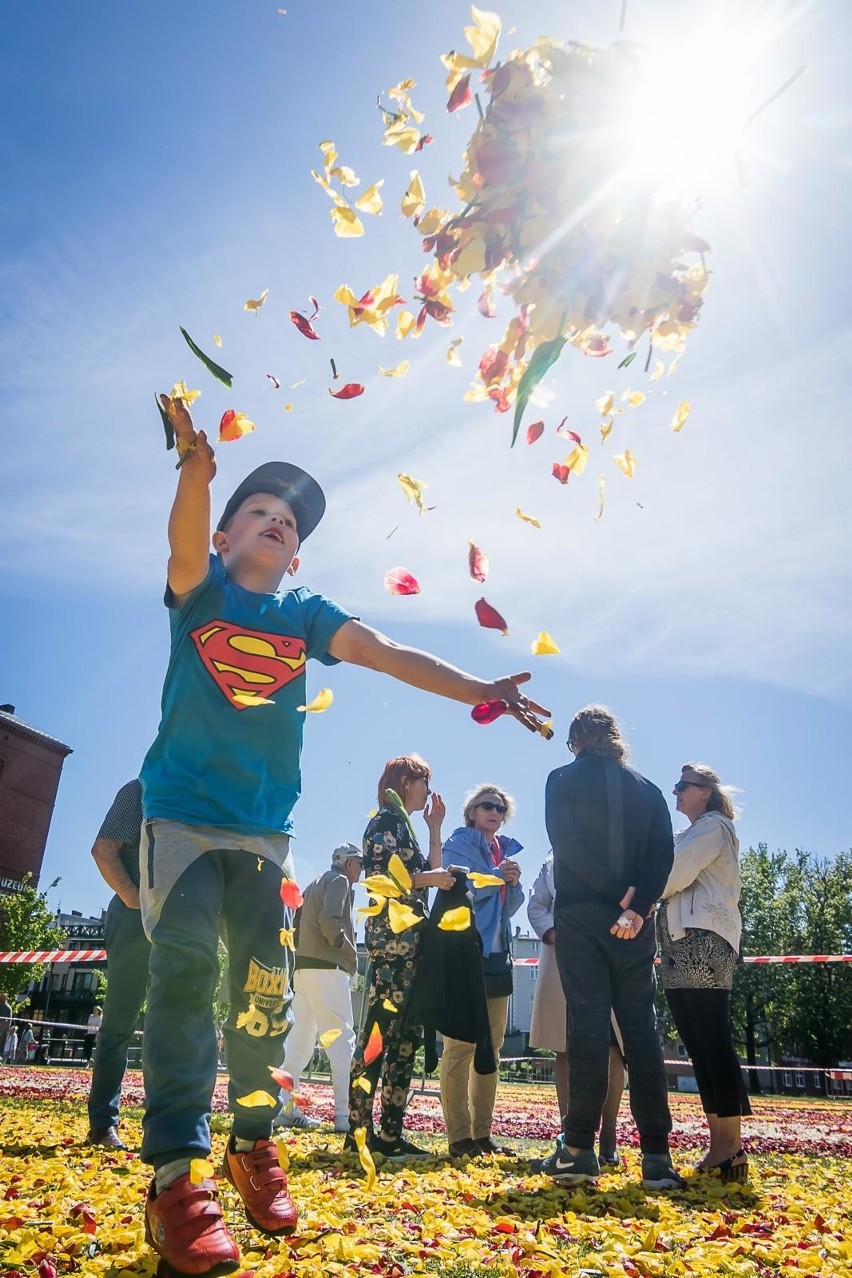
x=294 y=566
x=219 y=541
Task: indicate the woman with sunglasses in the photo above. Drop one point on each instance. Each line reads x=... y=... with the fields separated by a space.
x=698 y=929
x=467 y=1098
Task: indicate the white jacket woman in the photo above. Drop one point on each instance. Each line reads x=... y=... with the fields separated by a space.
x=703 y=889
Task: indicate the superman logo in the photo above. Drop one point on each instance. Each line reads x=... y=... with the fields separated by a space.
x=248 y=661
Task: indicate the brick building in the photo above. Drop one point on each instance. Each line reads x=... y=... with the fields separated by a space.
x=30 y=767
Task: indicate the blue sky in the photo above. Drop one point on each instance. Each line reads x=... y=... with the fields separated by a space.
x=157 y=173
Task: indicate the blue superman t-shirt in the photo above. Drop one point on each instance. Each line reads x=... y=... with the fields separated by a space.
x=219 y=759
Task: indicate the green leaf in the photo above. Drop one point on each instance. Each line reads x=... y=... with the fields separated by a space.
x=542 y=358
x=167 y=426
x=628 y=359
x=216 y=369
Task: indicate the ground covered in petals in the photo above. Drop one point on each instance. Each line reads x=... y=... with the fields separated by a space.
x=68 y=1208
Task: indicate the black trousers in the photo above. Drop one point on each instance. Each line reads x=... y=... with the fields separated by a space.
x=601 y=974
x=703 y=1020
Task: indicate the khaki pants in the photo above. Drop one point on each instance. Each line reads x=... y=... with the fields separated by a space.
x=467 y=1098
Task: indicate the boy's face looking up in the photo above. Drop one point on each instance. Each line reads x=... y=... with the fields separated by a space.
x=260 y=542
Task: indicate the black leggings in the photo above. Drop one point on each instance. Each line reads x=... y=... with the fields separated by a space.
x=703 y=1020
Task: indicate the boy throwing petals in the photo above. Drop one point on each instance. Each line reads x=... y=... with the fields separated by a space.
x=219 y=785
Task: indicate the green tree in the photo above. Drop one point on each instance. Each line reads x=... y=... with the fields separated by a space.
x=26 y=923
x=818 y=896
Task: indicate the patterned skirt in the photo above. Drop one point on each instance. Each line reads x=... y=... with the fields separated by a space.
x=701 y=960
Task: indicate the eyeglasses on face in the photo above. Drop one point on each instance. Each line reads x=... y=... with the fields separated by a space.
x=492 y=807
x=680 y=786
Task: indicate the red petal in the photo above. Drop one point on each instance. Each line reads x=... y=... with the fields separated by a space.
x=485 y=304
x=399 y=581
x=570 y=434
x=350 y=391
x=374 y=1045
x=477 y=563
x=598 y=346
x=488 y=711
x=426 y=139
x=560 y=472
x=489 y=617
x=461 y=94
x=283 y=1079
x=493 y=364
x=535 y=431
x=290 y=894
x=315 y=304
x=304 y=326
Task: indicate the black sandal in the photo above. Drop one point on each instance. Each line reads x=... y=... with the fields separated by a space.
x=729 y=1169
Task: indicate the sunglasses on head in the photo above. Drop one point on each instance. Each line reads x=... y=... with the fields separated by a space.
x=492 y=807
x=680 y=786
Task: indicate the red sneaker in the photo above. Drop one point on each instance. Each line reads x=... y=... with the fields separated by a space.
x=261 y=1182
x=184 y=1226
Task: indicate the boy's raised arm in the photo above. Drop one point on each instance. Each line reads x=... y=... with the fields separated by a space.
x=362 y=646
x=189 y=521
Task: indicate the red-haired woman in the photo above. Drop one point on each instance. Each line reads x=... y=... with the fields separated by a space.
x=403 y=789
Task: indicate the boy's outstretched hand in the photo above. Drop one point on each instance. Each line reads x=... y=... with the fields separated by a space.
x=192 y=446
x=527 y=712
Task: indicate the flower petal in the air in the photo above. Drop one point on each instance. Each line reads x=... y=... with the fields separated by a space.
x=399 y=371
x=321 y=702
x=626 y=462
x=544 y=645
x=234 y=426
x=457 y=920
x=681 y=413
x=527 y=519
x=477 y=562
x=255 y=303
x=350 y=391
x=399 y=581
x=489 y=617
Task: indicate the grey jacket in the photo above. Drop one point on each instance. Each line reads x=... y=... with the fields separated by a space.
x=326 y=929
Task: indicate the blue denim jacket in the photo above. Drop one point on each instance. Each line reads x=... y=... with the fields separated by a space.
x=470 y=848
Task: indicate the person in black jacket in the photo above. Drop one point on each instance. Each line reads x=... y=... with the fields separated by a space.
x=613 y=850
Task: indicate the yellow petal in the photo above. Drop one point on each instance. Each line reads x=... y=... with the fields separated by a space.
x=457 y=920
x=453 y=352
x=321 y=702
x=255 y=303
x=329 y=1037
x=181 y=391
x=329 y=153
x=401 y=917
x=673 y=365
x=371 y=200
x=633 y=398
x=399 y=371
x=400 y=133
x=405 y=322
x=601 y=495
x=659 y=369
x=544 y=645
x=345 y=296
x=398 y=871
x=200 y=1169
x=365 y=1157
x=256 y=1100
x=604 y=404
x=414 y=200
x=485 y=880
x=577 y=458
x=217 y=339
x=484 y=34
x=345 y=175
x=288 y=408
x=283 y=1155
x=363 y=1083
x=286 y=937
x=606 y=429
x=370 y=911
x=626 y=462
x=346 y=222
x=251 y=699
x=380 y=885
x=681 y=414
x=528 y=519
x=413 y=489
x=389 y=1006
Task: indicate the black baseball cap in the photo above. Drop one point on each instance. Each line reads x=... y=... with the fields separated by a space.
x=300 y=490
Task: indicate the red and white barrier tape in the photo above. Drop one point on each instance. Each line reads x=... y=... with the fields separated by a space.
x=98 y=956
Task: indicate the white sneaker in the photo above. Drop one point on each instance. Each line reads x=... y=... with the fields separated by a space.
x=295 y=1117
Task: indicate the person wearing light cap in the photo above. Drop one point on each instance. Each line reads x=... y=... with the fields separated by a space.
x=326 y=960
x=218 y=788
